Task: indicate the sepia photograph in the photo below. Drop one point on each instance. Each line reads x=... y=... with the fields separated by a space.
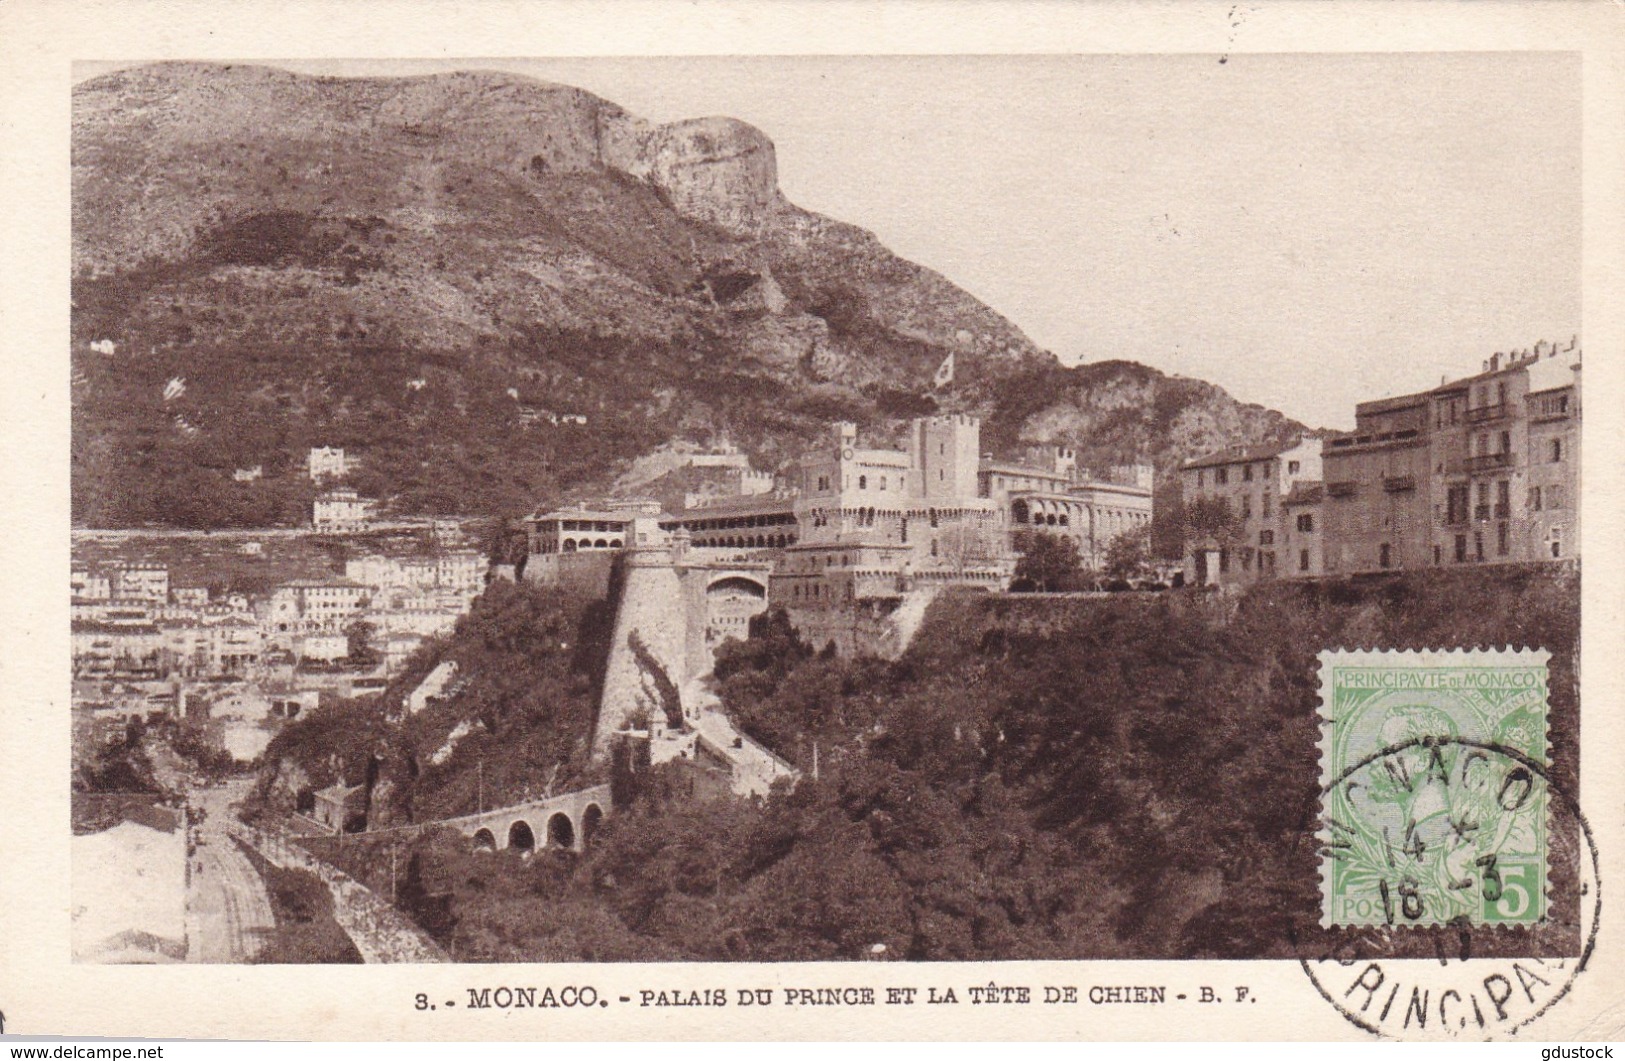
x=805 y=509
x=843 y=521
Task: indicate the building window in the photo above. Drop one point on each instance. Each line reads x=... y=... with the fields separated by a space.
x=1224 y=561
x=1554 y=496
x=1506 y=442
x=1478 y=545
x=883 y=482
x=1557 y=542
x=1437 y=552
x=863 y=482
x=1221 y=476
x=1201 y=478
x=1385 y=556
x=1457 y=503
x=1247 y=472
x=1533 y=502
x=1292 y=467
x=1556 y=450
x=1461 y=548
x=1500 y=539
x=1268 y=505
x=1246 y=506
x=1266 y=537
x=1303 y=559
x=1306 y=522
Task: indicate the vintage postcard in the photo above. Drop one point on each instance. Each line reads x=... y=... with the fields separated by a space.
x=785 y=521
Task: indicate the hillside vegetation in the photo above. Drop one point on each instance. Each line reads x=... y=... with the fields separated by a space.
x=429 y=271
x=1130 y=777
x=518 y=720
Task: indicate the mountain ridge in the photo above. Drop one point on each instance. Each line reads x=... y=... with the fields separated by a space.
x=419 y=267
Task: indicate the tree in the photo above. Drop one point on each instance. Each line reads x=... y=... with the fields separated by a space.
x=359 y=638
x=1048 y=561
x=1129 y=554
x=1210 y=519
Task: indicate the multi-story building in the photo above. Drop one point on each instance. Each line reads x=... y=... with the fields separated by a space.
x=116 y=649
x=1248 y=485
x=1302 y=534
x=341 y=511
x=1479 y=470
x=311 y=606
x=573 y=548
x=463 y=571
x=1551 y=523
x=327 y=462
x=136 y=581
x=1377 y=496
x=1049 y=493
x=1464 y=473
x=90 y=586
x=581 y=529
x=739 y=521
x=921 y=501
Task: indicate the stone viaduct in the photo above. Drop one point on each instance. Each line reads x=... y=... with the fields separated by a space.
x=565 y=822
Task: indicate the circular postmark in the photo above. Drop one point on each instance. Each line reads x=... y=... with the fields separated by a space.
x=1459 y=890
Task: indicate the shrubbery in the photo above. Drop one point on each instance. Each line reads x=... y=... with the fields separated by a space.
x=1090 y=778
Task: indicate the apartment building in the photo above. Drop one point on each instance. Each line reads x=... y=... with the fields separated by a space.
x=1479 y=470
x=1241 y=491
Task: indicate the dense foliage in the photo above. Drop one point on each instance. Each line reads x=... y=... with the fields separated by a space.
x=1128 y=777
x=517 y=718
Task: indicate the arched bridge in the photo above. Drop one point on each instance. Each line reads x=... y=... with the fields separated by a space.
x=566 y=822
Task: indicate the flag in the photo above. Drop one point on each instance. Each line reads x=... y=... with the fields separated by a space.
x=174 y=389
x=945 y=372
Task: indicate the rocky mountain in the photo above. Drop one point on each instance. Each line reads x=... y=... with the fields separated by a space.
x=500 y=292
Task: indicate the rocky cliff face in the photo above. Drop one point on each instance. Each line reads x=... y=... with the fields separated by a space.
x=425 y=269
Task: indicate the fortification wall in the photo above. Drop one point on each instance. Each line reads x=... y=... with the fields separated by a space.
x=585 y=574
x=652 y=607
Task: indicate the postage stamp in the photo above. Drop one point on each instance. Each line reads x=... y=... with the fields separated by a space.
x=1434 y=806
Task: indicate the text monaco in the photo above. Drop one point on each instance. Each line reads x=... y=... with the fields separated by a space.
x=1467 y=678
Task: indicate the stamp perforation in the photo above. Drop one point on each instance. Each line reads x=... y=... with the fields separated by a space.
x=1413 y=710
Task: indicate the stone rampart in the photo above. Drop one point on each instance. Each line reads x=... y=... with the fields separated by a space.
x=651 y=613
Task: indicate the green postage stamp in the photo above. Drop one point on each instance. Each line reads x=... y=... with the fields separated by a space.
x=1433 y=788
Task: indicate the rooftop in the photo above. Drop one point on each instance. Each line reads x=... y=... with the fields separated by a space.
x=1243 y=454
x=597 y=515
